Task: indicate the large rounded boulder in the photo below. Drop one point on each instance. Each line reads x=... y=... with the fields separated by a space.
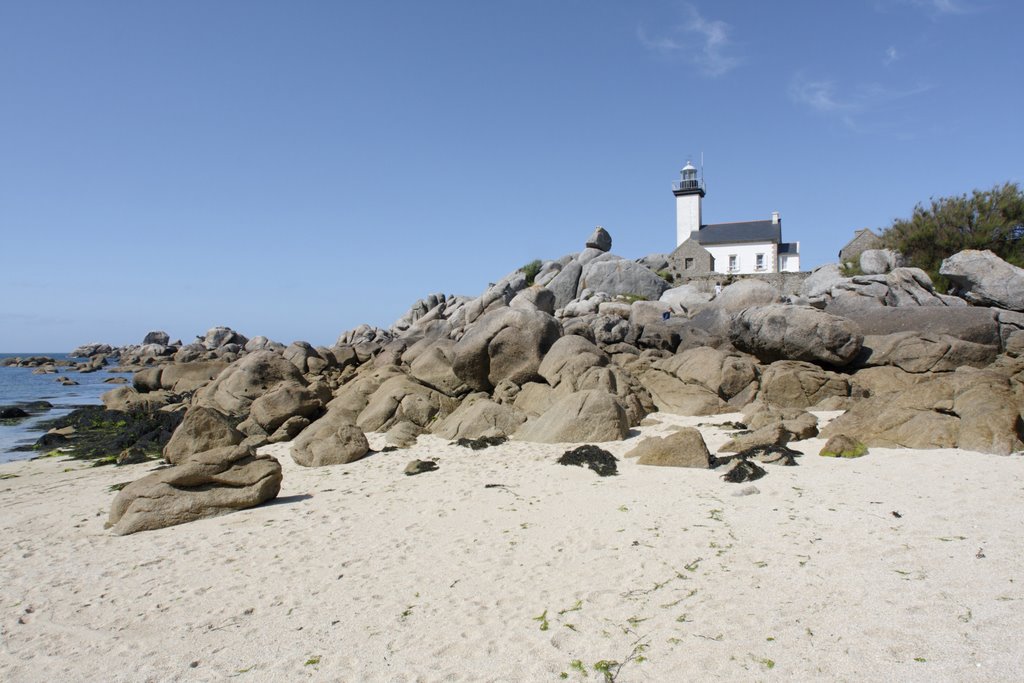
x=984 y=279
x=334 y=439
x=201 y=430
x=579 y=417
x=621 y=277
x=505 y=344
x=245 y=380
x=204 y=485
x=785 y=332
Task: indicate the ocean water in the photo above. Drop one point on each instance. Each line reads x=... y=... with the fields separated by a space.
x=19 y=385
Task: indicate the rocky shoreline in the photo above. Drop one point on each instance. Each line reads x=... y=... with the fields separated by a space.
x=581 y=350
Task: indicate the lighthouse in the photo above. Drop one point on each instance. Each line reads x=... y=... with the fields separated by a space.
x=689 y=192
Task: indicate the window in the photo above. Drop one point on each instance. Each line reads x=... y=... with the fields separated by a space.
x=759 y=262
x=734 y=263
x=688 y=263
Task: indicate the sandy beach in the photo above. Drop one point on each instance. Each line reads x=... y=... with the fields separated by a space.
x=505 y=566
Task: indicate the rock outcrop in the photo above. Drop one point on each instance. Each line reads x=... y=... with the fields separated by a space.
x=984 y=279
x=204 y=485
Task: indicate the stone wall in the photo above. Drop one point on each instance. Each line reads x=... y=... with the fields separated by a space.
x=787 y=283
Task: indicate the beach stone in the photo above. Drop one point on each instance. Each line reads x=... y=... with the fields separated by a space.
x=419 y=467
x=972 y=409
x=507 y=344
x=12 y=413
x=147 y=380
x=769 y=435
x=621 y=277
x=182 y=378
x=133 y=455
x=746 y=293
x=568 y=358
x=565 y=285
x=219 y=337
x=796 y=384
x=261 y=343
x=535 y=298
x=843 y=446
x=287 y=399
x=127 y=399
x=479 y=416
x=433 y=368
x=685 y=297
x=289 y=429
x=916 y=352
x=984 y=279
x=403 y=434
x=202 y=429
x=747 y=491
x=787 y=332
x=399 y=399
x=303 y=356
x=880 y=261
x=970 y=323
x=684 y=448
x=158 y=337
x=817 y=287
x=599 y=239
x=581 y=416
x=332 y=440
x=245 y=380
x=205 y=485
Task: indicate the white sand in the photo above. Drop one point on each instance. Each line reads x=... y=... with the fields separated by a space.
x=359 y=573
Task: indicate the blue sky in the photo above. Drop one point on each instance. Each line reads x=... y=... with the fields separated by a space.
x=295 y=169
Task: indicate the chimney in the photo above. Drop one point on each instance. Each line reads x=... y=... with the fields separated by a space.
x=775 y=218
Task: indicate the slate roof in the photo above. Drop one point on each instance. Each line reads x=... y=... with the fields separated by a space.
x=746 y=231
x=788 y=248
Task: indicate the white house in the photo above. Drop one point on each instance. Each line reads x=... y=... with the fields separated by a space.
x=735 y=248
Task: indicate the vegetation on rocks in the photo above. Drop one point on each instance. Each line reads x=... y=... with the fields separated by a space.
x=985 y=219
x=531 y=269
x=100 y=435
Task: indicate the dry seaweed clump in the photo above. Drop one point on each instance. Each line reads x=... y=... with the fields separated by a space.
x=743 y=470
x=843 y=446
x=482 y=442
x=771 y=453
x=597 y=459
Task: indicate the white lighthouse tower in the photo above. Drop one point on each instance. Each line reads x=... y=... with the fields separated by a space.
x=688 y=191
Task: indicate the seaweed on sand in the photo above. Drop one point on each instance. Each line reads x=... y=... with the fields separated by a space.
x=597 y=459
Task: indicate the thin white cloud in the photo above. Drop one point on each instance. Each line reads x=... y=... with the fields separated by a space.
x=944 y=6
x=891 y=55
x=933 y=7
x=703 y=42
x=852 y=106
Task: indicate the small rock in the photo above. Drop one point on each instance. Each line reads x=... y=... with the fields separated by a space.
x=599 y=239
x=843 y=446
x=747 y=491
x=132 y=456
x=12 y=413
x=419 y=467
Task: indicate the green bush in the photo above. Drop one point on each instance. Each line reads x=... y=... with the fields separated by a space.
x=990 y=219
x=530 y=270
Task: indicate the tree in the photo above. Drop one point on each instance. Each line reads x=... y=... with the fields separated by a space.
x=991 y=219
